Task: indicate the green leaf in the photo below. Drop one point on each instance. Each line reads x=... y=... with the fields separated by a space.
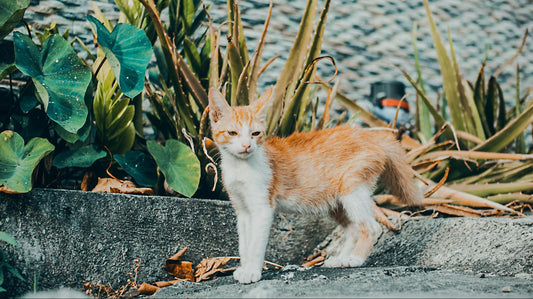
x=293 y=66
x=179 y=165
x=84 y=156
x=423 y=122
x=255 y=65
x=510 y=132
x=491 y=106
x=520 y=144
x=11 y=13
x=294 y=113
x=13 y=271
x=7 y=238
x=140 y=166
x=128 y=50
x=192 y=55
x=60 y=77
x=17 y=161
x=449 y=77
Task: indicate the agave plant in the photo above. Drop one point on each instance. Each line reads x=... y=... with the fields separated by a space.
x=470 y=154
x=179 y=104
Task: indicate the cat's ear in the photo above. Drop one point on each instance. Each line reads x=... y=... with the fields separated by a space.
x=217 y=104
x=261 y=105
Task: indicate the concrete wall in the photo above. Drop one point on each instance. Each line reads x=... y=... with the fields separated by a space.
x=66 y=237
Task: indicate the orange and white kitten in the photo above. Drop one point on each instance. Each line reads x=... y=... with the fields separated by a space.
x=332 y=171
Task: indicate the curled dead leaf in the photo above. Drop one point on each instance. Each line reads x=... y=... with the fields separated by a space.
x=112 y=185
x=147 y=289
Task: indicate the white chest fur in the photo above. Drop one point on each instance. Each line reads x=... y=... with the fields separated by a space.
x=247 y=179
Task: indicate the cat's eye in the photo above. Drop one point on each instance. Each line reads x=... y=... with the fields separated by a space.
x=233 y=133
x=256 y=133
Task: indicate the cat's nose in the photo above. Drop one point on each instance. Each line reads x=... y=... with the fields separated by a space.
x=246 y=147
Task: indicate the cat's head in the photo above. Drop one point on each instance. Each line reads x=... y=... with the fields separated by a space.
x=238 y=130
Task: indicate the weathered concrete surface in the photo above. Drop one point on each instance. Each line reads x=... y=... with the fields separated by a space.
x=375 y=282
x=497 y=245
x=67 y=237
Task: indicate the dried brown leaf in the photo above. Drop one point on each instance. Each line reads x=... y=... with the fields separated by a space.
x=456 y=210
x=112 y=185
x=382 y=218
x=162 y=284
x=178 y=254
x=147 y=289
x=180 y=269
x=314 y=261
x=439 y=184
x=210 y=266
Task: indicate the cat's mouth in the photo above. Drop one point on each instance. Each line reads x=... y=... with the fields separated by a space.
x=244 y=153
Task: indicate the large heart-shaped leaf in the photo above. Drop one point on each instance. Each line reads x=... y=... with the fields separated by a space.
x=178 y=163
x=11 y=13
x=140 y=166
x=17 y=161
x=128 y=50
x=84 y=156
x=60 y=78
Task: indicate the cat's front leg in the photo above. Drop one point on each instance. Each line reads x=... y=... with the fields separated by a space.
x=254 y=244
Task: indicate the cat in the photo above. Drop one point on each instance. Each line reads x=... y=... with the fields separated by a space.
x=331 y=171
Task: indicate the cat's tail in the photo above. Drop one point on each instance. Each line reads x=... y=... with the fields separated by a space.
x=399 y=177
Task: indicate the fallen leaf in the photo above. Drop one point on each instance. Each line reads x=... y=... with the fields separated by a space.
x=179 y=269
x=210 y=266
x=162 y=284
x=178 y=254
x=314 y=261
x=111 y=185
x=147 y=289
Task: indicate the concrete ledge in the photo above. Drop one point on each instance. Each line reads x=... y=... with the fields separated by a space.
x=497 y=245
x=66 y=237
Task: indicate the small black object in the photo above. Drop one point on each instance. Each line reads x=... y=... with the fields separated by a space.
x=383 y=90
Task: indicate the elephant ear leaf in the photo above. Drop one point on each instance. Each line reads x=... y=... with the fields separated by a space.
x=11 y=13
x=128 y=50
x=84 y=156
x=140 y=166
x=18 y=160
x=60 y=78
x=179 y=165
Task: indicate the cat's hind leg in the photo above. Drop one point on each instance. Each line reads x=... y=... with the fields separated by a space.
x=361 y=230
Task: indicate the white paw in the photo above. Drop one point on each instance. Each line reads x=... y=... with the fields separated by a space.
x=246 y=275
x=345 y=261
